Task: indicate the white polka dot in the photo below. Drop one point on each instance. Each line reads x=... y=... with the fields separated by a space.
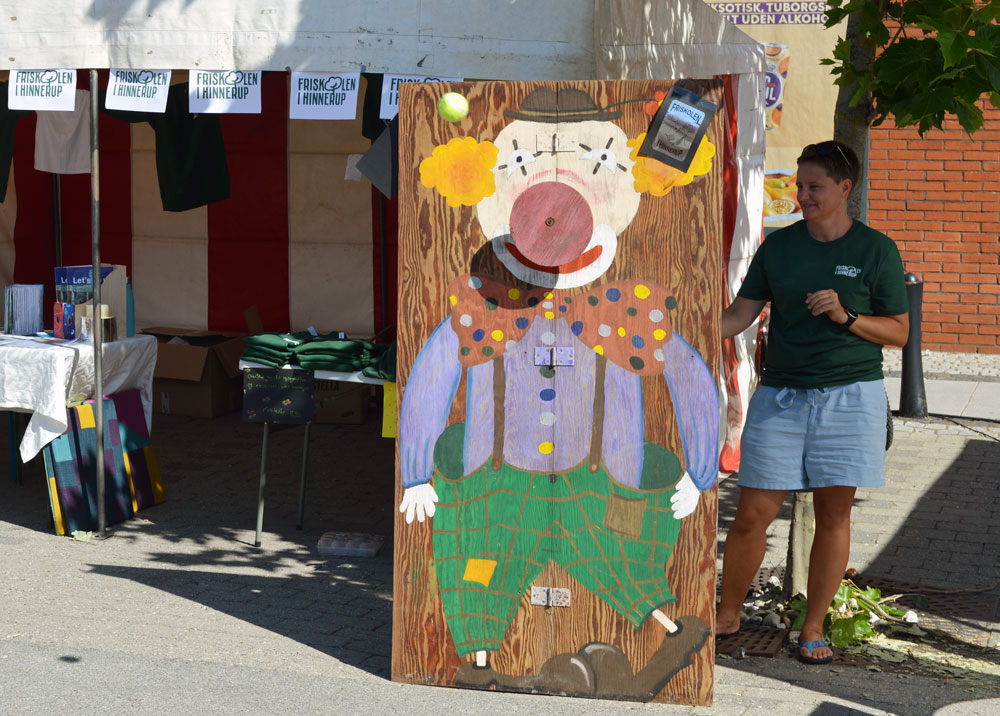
x=658 y=354
x=547 y=304
x=656 y=315
x=547 y=418
x=465 y=319
x=604 y=329
x=475 y=283
x=548 y=338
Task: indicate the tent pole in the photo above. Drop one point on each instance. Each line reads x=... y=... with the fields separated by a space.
x=96 y=323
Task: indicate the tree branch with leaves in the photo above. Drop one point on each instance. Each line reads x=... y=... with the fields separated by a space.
x=922 y=60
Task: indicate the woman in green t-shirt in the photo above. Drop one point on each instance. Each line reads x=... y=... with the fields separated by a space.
x=817 y=420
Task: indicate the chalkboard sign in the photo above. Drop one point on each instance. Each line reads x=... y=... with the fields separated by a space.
x=273 y=395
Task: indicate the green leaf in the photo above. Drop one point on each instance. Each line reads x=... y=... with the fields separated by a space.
x=921 y=602
x=799 y=621
x=842 y=595
x=850 y=630
x=893 y=611
x=842 y=51
x=952 y=47
x=969 y=115
x=872 y=594
x=82 y=536
x=990 y=68
x=987 y=14
x=995 y=99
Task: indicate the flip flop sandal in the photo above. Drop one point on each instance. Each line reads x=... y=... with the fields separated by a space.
x=719 y=637
x=811 y=646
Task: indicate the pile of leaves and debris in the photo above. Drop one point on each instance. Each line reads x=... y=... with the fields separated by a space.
x=873 y=632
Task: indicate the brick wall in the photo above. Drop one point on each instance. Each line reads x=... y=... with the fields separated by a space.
x=939 y=199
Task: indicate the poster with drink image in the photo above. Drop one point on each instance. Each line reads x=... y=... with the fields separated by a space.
x=799 y=94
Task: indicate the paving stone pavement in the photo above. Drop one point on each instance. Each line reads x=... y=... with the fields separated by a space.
x=178 y=613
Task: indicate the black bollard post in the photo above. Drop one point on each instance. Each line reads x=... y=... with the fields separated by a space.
x=912 y=398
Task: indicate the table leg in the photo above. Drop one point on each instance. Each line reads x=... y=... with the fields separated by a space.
x=260 y=491
x=302 y=483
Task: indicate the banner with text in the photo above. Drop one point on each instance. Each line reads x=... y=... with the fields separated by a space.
x=324 y=95
x=45 y=90
x=390 y=91
x=224 y=92
x=800 y=97
x=138 y=90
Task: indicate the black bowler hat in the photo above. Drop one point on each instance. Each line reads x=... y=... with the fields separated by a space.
x=563 y=105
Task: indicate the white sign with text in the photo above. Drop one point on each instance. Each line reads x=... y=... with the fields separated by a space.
x=45 y=90
x=138 y=90
x=224 y=92
x=390 y=91
x=324 y=95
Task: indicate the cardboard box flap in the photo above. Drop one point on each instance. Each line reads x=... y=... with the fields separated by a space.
x=229 y=354
x=180 y=362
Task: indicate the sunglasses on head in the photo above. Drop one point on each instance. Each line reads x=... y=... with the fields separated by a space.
x=825 y=150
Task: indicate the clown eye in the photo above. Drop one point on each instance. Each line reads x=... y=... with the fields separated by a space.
x=605 y=157
x=518 y=159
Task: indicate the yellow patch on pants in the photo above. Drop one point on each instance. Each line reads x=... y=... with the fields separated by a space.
x=479 y=570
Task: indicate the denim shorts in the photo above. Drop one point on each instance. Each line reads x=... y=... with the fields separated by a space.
x=799 y=439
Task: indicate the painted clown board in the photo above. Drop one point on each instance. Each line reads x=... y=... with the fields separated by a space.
x=558 y=425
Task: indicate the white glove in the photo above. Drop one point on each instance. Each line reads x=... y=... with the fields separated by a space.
x=685 y=500
x=419 y=500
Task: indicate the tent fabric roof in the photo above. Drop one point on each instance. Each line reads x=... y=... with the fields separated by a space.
x=503 y=39
x=647 y=39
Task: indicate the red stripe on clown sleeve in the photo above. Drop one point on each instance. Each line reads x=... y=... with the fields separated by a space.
x=248 y=233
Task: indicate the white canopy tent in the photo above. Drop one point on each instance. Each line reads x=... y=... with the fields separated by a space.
x=503 y=40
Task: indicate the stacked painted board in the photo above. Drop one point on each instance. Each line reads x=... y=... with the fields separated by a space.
x=131 y=474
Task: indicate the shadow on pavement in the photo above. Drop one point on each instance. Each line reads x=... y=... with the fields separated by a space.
x=937 y=544
x=198 y=544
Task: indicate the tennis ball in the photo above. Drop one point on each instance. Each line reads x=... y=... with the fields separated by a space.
x=453 y=106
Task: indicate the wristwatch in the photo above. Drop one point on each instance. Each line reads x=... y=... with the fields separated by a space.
x=852 y=316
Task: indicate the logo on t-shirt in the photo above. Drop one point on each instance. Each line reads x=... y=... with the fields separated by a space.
x=849 y=271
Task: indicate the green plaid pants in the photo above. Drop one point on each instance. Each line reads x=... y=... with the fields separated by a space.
x=494 y=532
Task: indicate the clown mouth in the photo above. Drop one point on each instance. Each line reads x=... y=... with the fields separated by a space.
x=583 y=260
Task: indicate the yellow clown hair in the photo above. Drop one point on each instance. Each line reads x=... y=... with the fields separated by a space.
x=461 y=171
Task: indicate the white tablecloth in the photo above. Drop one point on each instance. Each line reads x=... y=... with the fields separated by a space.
x=42 y=376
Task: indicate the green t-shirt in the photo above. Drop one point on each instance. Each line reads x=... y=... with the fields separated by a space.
x=806 y=351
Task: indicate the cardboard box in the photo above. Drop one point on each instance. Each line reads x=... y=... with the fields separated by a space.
x=339 y=402
x=199 y=376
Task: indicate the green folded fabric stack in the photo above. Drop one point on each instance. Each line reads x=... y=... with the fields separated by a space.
x=330 y=351
x=383 y=364
x=336 y=355
x=274 y=349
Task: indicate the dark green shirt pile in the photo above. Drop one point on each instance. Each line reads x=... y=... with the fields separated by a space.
x=274 y=349
x=330 y=351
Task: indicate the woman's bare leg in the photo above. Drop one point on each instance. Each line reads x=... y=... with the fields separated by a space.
x=744 y=551
x=828 y=559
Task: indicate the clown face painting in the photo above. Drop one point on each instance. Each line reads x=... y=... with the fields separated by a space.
x=558 y=428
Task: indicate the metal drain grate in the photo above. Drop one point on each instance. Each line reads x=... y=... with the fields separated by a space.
x=968 y=617
x=760 y=580
x=756 y=640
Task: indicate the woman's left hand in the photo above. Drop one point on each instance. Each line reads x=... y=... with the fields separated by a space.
x=827 y=301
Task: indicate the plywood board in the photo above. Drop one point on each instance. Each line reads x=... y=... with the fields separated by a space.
x=558 y=423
